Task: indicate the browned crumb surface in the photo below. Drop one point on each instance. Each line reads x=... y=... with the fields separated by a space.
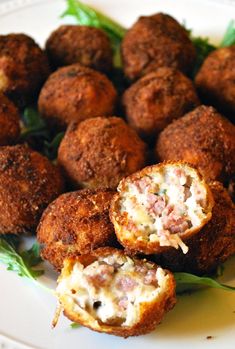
x=213 y=244
x=203 y=138
x=216 y=80
x=158 y=98
x=28 y=183
x=9 y=121
x=76 y=223
x=23 y=68
x=76 y=93
x=156 y=41
x=88 y=46
x=99 y=152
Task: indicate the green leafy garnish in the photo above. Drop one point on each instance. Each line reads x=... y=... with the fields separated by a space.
x=34 y=125
x=186 y=281
x=203 y=49
x=51 y=148
x=74 y=325
x=229 y=36
x=21 y=263
x=86 y=15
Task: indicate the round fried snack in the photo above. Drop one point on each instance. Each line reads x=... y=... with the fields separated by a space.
x=28 y=183
x=75 y=93
x=156 y=41
x=215 y=80
x=160 y=206
x=158 y=98
x=110 y=292
x=9 y=121
x=99 y=152
x=23 y=68
x=212 y=245
x=74 y=224
x=88 y=46
x=203 y=138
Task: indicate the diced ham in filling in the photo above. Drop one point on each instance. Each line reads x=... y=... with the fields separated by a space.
x=111 y=288
x=161 y=206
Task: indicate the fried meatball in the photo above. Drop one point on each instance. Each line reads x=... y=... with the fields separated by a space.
x=75 y=93
x=99 y=152
x=156 y=99
x=74 y=224
x=157 y=208
x=9 y=121
x=88 y=46
x=28 y=183
x=156 y=41
x=212 y=245
x=109 y=291
x=23 y=68
x=203 y=138
x=216 y=80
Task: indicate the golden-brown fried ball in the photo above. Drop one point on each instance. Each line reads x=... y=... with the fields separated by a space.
x=213 y=244
x=216 y=80
x=74 y=224
x=99 y=152
x=156 y=41
x=203 y=138
x=158 y=98
x=76 y=93
x=159 y=207
x=23 y=68
x=109 y=291
x=28 y=183
x=88 y=46
x=9 y=121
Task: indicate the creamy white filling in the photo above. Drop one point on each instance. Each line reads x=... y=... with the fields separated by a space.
x=178 y=189
x=82 y=293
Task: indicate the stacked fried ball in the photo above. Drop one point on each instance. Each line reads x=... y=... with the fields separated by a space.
x=108 y=202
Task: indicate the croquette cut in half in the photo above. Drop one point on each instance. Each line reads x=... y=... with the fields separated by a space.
x=28 y=183
x=203 y=138
x=23 y=68
x=75 y=93
x=212 y=245
x=215 y=80
x=9 y=121
x=158 y=98
x=82 y=44
x=74 y=224
x=156 y=41
x=99 y=152
x=110 y=292
x=160 y=206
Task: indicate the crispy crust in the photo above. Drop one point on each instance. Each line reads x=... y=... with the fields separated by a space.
x=212 y=245
x=151 y=313
x=88 y=46
x=99 y=152
x=9 y=121
x=203 y=138
x=120 y=221
x=28 y=183
x=23 y=68
x=215 y=80
x=158 y=98
x=156 y=41
x=76 y=93
x=76 y=223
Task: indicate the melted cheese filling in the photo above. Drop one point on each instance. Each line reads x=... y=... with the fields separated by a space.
x=163 y=205
x=111 y=289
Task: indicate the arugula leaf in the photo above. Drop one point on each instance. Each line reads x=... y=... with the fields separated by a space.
x=203 y=49
x=34 y=125
x=86 y=15
x=186 y=281
x=51 y=148
x=229 y=36
x=20 y=263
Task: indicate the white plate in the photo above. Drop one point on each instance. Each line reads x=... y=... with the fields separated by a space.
x=26 y=311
